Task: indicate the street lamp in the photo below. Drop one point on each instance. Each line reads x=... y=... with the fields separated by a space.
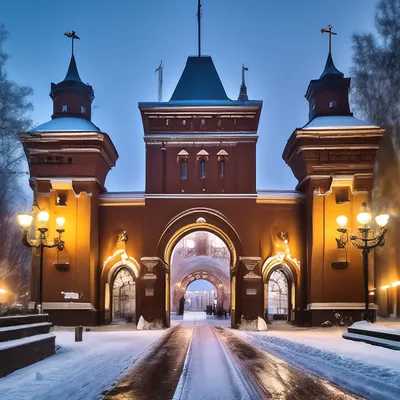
x=367 y=239
x=25 y=221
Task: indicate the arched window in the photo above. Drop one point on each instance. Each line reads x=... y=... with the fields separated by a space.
x=184 y=169
x=278 y=292
x=202 y=168
x=222 y=169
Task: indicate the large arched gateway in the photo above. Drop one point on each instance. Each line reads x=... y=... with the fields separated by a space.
x=200 y=255
x=196 y=243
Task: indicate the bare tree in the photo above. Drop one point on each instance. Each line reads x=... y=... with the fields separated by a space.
x=376 y=94
x=14 y=259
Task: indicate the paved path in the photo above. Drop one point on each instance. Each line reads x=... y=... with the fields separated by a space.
x=210 y=372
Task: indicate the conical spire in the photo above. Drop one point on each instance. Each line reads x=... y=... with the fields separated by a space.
x=72 y=73
x=243 y=88
x=330 y=68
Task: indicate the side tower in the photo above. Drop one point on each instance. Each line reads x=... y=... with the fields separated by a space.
x=69 y=158
x=333 y=158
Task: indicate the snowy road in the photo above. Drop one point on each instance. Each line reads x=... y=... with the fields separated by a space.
x=210 y=372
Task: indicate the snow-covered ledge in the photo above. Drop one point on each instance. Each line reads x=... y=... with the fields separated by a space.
x=62 y=305
x=340 y=306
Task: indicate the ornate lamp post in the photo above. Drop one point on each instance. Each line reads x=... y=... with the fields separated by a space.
x=25 y=221
x=367 y=239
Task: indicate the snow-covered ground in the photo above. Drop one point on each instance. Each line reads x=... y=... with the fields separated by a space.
x=370 y=371
x=79 y=370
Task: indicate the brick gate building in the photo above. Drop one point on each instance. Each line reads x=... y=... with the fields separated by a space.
x=201 y=177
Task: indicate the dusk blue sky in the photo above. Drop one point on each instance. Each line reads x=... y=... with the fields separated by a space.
x=123 y=41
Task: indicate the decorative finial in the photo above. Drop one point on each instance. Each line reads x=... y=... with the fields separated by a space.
x=72 y=35
x=199 y=26
x=122 y=237
x=243 y=89
x=330 y=33
x=159 y=69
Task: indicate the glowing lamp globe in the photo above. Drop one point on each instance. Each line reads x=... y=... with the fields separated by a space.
x=382 y=219
x=43 y=217
x=341 y=221
x=364 y=217
x=60 y=221
x=24 y=221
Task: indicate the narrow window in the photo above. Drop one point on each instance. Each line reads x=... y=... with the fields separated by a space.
x=183 y=169
x=203 y=169
x=64 y=108
x=222 y=169
x=83 y=110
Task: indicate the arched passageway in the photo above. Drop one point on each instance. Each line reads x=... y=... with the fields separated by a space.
x=200 y=256
x=123 y=296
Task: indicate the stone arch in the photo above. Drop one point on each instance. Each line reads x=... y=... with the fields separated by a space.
x=207 y=276
x=200 y=219
x=290 y=267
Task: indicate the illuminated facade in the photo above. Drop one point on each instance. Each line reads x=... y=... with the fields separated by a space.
x=201 y=177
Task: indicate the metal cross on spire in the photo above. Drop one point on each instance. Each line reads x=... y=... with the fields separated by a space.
x=159 y=69
x=244 y=69
x=199 y=26
x=330 y=33
x=72 y=35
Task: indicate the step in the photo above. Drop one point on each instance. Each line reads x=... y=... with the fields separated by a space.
x=21 y=331
x=376 y=341
x=12 y=320
x=20 y=353
x=376 y=331
x=384 y=333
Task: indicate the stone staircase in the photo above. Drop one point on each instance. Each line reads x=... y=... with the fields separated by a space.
x=24 y=340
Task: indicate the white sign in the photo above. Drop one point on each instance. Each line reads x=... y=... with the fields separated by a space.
x=71 y=295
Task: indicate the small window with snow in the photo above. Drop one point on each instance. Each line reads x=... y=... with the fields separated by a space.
x=83 y=110
x=64 y=108
x=332 y=104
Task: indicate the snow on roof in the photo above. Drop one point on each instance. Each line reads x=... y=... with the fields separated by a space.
x=338 y=122
x=67 y=124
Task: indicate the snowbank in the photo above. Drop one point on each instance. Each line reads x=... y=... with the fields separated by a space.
x=79 y=370
x=366 y=370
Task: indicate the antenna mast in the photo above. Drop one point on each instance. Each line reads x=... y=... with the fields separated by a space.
x=199 y=26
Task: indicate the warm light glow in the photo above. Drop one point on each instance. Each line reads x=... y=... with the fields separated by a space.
x=371 y=293
x=24 y=220
x=341 y=221
x=385 y=287
x=3 y=291
x=395 y=284
x=43 y=217
x=60 y=221
x=382 y=220
x=364 y=217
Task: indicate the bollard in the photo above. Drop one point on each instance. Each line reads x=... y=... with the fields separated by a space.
x=78 y=333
